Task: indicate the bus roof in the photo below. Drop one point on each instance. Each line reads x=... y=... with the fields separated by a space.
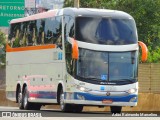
x=76 y=12
x=47 y=14
x=97 y=12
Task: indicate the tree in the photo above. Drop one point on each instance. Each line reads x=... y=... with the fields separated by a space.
x=147 y=17
x=2 y=48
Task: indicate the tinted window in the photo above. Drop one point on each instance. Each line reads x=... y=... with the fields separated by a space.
x=53 y=31
x=68 y=52
x=69 y=32
x=123 y=66
x=22 y=37
x=40 y=24
x=118 y=67
x=14 y=35
x=38 y=32
x=31 y=29
x=106 y=30
x=22 y=34
x=69 y=26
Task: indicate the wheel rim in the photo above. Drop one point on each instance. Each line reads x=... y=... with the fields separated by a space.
x=62 y=101
x=25 y=100
x=20 y=99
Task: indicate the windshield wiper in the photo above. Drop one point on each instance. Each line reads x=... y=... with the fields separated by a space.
x=92 y=78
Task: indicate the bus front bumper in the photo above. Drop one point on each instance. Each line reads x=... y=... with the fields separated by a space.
x=90 y=99
x=99 y=103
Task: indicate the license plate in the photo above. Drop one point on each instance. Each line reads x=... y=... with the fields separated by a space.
x=107 y=101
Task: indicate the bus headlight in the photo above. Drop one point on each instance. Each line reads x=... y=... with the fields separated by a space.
x=83 y=89
x=133 y=90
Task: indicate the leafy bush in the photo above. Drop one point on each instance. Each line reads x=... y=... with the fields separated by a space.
x=2 y=49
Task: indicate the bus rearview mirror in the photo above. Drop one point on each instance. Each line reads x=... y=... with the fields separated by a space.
x=144 y=51
x=75 y=52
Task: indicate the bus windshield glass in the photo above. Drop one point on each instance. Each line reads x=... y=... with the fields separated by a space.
x=108 y=31
x=107 y=66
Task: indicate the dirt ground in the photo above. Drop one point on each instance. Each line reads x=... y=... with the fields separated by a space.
x=146 y=102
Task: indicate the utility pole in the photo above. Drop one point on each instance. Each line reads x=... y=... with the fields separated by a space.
x=35 y=8
x=76 y=3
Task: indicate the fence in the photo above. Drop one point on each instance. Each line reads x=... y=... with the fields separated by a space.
x=148 y=77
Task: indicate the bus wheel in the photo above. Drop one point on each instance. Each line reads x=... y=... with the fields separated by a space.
x=116 y=109
x=20 y=99
x=28 y=105
x=64 y=107
x=77 y=108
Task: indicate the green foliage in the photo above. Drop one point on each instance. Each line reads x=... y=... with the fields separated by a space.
x=146 y=14
x=68 y=3
x=2 y=48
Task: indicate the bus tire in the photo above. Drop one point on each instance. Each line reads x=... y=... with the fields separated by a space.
x=77 y=108
x=64 y=106
x=19 y=98
x=116 y=109
x=28 y=105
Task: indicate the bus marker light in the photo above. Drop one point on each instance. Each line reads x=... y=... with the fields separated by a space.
x=32 y=98
x=83 y=89
x=134 y=99
x=133 y=90
x=107 y=101
x=80 y=97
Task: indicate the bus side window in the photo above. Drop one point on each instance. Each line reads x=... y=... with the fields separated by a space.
x=69 y=26
x=23 y=34
x=10 y=35
x=68 y=32
x=68 y=50
x=15 y=35
x=30 y=33
x=34 y=35
x=57 y=31
x=40 y=25
x=53 y=31
x=48 y=31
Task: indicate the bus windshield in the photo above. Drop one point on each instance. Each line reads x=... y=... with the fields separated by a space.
x=108 y=31
x=107 y=66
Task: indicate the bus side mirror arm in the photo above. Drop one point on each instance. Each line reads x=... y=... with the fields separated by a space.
x=144 y=51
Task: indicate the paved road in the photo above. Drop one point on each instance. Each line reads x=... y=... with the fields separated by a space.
x=57 y=114
x=54 y=113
